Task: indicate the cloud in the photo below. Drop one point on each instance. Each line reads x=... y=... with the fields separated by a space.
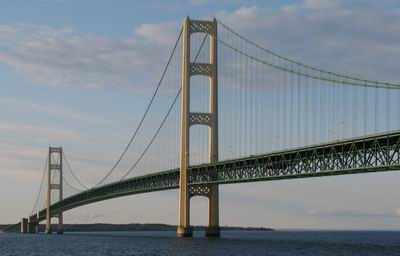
x=62 y=56
x=163 y=6
x=321 y=4
x=67 y=114
x=21 y=162
x=354 y=214
x=23 y=152
x=353 y=37
x=199 y=2
x=50 y=1
x=159 y=33
x=53 y=111
x=360 y=38
x=40 y=133
x=12 y=149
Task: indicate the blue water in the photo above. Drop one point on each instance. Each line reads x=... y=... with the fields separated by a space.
x=338 y=243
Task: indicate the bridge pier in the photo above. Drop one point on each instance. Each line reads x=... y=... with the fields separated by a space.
x=185 y=231
x=24 y=226
x=213 y=229
x=60 y=226
x=188 y=118
x=33 y=228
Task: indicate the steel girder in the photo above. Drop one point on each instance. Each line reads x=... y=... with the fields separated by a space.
x=142 y=184
x=365 y=154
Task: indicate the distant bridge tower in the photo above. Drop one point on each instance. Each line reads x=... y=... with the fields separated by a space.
x=190 y=118
x=54 y=167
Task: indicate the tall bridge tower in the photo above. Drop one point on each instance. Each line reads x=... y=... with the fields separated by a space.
x=189 y=118
x=54 y=167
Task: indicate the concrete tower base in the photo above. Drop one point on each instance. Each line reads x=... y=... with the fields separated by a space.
x=185 y=232
x=24 y=226
x=213 y=232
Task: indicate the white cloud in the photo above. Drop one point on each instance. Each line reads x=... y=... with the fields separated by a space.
x=345 y=36
x=359 y=38
x=162 y=34
x=64 y=57
x=11 y=149
x=199 y=2
x=40 y=133
x=21 y=162
x=52 y=110
x=321 y=4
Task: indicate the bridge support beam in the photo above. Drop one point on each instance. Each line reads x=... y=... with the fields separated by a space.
x=213 y=229
x=184 y=228
x=24 y=226
x=187 y=119
x=33 y=228
x=54 y=167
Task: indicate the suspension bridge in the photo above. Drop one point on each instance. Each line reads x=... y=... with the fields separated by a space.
x=228 y=110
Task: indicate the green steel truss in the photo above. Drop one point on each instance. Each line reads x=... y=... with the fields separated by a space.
x=359 y=155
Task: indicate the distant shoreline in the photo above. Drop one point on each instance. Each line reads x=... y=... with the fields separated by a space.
x=102 y=227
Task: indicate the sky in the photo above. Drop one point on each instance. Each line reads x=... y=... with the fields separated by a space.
x=78 y=74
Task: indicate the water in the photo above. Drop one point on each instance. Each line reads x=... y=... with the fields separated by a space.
x=338 y=243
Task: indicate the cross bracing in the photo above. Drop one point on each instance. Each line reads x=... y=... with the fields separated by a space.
x=359 y=155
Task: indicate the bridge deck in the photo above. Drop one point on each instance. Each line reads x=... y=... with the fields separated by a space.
x=358 y=155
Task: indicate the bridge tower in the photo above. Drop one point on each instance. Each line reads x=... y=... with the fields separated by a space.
x=54 y=167
x=209 y=119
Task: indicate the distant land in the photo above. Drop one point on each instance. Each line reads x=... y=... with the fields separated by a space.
x=101 y=227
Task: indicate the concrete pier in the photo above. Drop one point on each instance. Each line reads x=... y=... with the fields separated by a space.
x=33 y=228
x=24 y=226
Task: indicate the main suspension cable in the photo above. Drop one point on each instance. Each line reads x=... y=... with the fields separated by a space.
x=71 y=186
x=360 y=82
x=41 y=185
x=52 y=181
x=72 y=172
x=387 y=86
x=145 y=113
x=165 y=118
